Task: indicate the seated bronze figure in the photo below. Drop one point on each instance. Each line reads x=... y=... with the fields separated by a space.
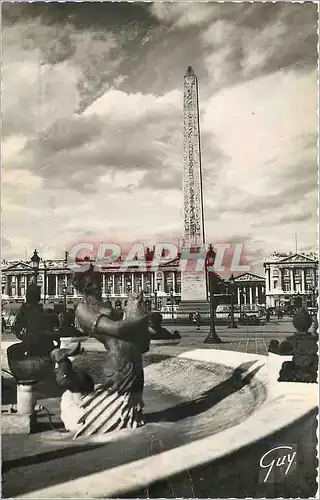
x=117 y=402
x=29 y=360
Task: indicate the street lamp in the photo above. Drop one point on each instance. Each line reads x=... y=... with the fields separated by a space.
x=35 y=260
x=64 y=293
x=45 y=285
x=108 y=301
x=172 y=308
x=155 y=300
x=212 y=337
x=313 y=290
x=232 y=285
x=240 y=303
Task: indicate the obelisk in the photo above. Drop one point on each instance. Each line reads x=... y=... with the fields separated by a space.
x=194 y=294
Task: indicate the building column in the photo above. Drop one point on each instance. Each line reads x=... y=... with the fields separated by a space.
x=104 y=291
x=112 y=289
x=132 y=282
x=250 y=295
x=122 y=284
x=238 y=295
x=25 y=285
x=142 y=281
x=292 y=280
x=57 y=285
x=174 y=282
x=267 y=280
x=303 y=280
x=244 y=296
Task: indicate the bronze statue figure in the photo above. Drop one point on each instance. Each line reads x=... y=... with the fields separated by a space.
x=29 y=359
x=117 y=402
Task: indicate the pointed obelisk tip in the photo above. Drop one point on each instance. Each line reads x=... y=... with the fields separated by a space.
x=190 y=71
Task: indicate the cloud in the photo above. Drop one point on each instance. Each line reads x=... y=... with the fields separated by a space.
x=182 y=14
x=260 y=41
x=76 y=152
x=98 y=148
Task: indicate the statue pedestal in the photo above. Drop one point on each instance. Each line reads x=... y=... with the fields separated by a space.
x=26 y=397
x=275 y=364
x=24 y=421
x=13 y=423
x=192 y=306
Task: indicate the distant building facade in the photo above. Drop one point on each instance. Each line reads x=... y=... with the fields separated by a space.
x=56 y=281
x=250 y=290
x=161 y=287
x=288 y=276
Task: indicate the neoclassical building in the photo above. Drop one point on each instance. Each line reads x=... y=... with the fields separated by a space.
x=289 y=276
x=56 y=281
x=161 y=287
x=250 y=289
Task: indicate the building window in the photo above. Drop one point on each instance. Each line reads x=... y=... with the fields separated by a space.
x=137 y=282
x=298 y=272
x=108 y=284
x=275 y=284
x=168 y=282
x=118 y=284
x=287 y=287
x=286 y=272
x=309 y=287
x=178 y=283
x=275 y=273
x=128 y=284
x=308 y=272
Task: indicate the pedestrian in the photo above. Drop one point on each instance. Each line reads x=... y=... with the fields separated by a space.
x=198 y=320
x=268 y=315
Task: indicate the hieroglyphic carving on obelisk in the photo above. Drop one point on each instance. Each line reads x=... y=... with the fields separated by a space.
x=193 y=285
x=192 y=175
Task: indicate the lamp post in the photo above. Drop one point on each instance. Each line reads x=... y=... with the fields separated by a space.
x=313 y=290
x=64 y=293
x=240 y=303
x=45 y=289
x=212 y=337
x=35 y=260
x=172 y=308
x=108 y=301
x=155 y=300
x=147 y=294
x=232 y=284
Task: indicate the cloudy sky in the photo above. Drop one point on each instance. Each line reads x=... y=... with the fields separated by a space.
x=93 y=125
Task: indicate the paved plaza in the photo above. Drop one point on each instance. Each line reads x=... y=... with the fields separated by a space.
x=249 y=339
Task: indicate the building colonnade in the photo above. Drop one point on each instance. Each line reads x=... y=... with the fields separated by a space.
x=114 y=284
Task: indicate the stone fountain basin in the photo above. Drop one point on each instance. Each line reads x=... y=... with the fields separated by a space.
x=207 y=431
x=185 y=400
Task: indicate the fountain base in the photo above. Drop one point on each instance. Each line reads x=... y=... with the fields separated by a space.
x=14 y=423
